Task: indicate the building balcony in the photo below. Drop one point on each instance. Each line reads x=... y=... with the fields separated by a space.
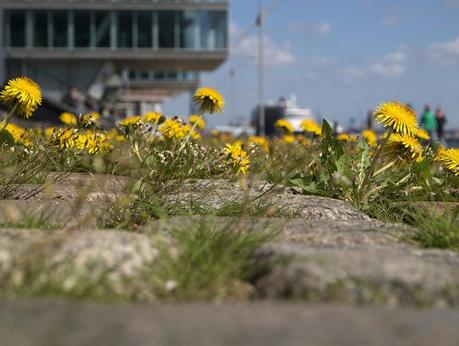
x=180 y=59
x=185 y=40
x=116 y=4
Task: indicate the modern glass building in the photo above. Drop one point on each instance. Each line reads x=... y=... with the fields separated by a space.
x=155 y=47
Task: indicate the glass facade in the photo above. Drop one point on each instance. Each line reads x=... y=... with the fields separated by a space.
x=59 y=26
x=166 y=25
x=102 y=24
x=157 y=76
x=163 y=29
x=82 y=35
x=16 y=28
x=144 y=21
x=40 y=28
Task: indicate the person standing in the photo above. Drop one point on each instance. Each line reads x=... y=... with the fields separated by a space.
x=428 y=120
x=370 y=119
x=441 y=122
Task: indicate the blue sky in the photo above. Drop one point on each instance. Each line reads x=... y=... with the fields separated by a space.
x=341 y=57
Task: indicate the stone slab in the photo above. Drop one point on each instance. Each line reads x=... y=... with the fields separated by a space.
x=56 y=323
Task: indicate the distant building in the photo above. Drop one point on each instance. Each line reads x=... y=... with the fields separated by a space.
x=126 y=56
x=284 y=109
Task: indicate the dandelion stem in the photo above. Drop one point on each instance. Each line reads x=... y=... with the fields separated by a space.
x=371 y=170
x=6 y=121
x=187 y=138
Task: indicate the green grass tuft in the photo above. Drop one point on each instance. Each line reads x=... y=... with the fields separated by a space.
x=436 y=230
x=208 y=261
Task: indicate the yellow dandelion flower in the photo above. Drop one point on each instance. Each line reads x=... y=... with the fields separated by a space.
x=114 y=135
x=23 y=93
x=209 y=100
x=399 y=117
x=422 y=134
x=131 y=121
x=49 y=131
x=289 y=139
x=259 y=142
x=371 y=137
x=450 y=159
x=198 y=121
x=345 y=137
x=93 y=142
x=19 y=134
x=303 y=140
x=234 y=150
x=192 y=133
x=239 y=157
x=244 y=165
x=15 y=131
x=174 y=129
x=65 y=138
x=404 y=147
x=68 y=119
x=310 y=126
x=90 y=118
x=441 y=148
x=153 y=118
x=284 y=125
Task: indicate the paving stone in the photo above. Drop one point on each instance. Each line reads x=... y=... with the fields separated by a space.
x=73 y=186
x=56 y=323
x=104 y=262
x=297 y=231
x=55 y=213
x=210 y=196
x=368 y=275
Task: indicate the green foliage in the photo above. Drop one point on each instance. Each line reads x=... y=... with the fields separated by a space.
x=435 y=230
x=31 y=219
x=208 y=261
x=366 y=178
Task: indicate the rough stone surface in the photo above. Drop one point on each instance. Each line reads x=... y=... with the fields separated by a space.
x=107 y=261
x=73 y=186
x=297 y=231
x=56 y=323
x=56 y=213
x=215 y=195
x=339 y=234
x=383 y=275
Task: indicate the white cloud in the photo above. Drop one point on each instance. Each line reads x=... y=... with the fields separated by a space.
x=351 y=73
x=390 y=65
x=445 y=51
x=247 y=48
x=321 y=29
x=321 y=61
x=398 y=56
x=387 y=69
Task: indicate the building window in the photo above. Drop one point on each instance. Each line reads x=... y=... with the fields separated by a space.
x=206 y=30
x=102 y=29
x=60 y=28
x=166 y=26
x=17 y=29
x=144 y=29
x=214 y=28
x=188 y=34
x=40 y=29
x=125 y=29
x=82 y=28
